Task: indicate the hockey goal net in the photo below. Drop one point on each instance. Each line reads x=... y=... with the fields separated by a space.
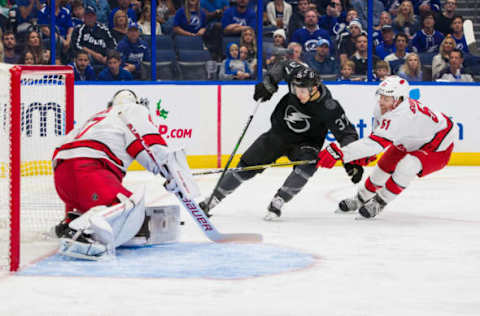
x=36 y=111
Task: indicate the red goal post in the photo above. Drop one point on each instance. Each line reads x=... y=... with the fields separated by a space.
x=37 y=111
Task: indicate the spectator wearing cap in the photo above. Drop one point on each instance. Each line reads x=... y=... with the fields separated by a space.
x=63 y=22
x=102 y=8
x=385 y=19
x=341 y=28
x=455 y=71
x=360 y=57
x=278 y=47
x=346 y=46
x=397 y=58
x=329 y=21
x=427 y=40
x=113 y=71
x=297 y=20
x=361 y=7
x=238 y=17
x=190 y=20
x=279 y=13
x=309 y=35
x=322 y=62
x=82 y=69
x=133 y=51
x=93 y=37
x=387 y=46
x=120 y=25
x=126 y=7
x=444 y=19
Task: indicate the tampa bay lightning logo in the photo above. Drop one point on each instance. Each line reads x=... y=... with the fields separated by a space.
x=195 y=20
x=296 y=120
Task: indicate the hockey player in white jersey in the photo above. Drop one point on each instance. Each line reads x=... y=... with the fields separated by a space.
x=88 y=171
x=418 y=141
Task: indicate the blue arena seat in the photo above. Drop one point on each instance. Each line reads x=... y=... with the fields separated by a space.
x=192 y=64
x=188 y=42
x=164 y=42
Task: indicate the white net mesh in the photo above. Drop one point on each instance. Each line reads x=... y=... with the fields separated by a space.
x=43 y=121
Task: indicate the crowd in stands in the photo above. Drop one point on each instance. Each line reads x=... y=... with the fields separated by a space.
x=420 y=40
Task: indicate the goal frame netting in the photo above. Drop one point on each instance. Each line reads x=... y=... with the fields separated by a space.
x=15 y=134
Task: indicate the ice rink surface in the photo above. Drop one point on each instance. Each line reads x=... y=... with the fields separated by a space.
x=421 y=256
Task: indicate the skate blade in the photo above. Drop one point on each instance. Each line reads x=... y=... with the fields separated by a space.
x=271 y=217
x=359 y=217
x=339 y=211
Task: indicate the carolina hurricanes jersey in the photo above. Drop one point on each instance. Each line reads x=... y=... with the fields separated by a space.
x=106 y=136
x=410 y=126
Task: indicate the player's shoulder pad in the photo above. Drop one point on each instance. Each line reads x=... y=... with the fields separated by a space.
x=331 y=104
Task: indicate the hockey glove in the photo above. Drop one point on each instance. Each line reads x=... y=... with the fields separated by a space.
x=355 y=172
x=328 y=156
x=261 y=92
x=171 y=186
x=364 y=161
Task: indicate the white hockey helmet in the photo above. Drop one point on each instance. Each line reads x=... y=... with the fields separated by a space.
x=124 y=96
x=394 y=86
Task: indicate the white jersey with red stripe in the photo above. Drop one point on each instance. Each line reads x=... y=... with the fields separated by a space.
x=410 y=126
x=105 y=136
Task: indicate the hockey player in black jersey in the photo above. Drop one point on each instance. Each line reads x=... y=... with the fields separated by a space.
x=300 y=122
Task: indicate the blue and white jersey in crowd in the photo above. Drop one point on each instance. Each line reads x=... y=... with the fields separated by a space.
x=232 y=16
x=383 y=50
x=132 y=16
x=63 y=20
x=76 y=21
x=309 y=40
x=425 y=43
x=328 y=23
x=88 y=75
x=107 y=75
x=461 y=44
x=197 y=21
x=133 y=53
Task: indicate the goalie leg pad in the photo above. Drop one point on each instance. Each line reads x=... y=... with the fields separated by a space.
x=180 y=171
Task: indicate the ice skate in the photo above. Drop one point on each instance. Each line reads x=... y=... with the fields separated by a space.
x=274 y=209
x=347 y=206
x=372 y=208
x=206 y=209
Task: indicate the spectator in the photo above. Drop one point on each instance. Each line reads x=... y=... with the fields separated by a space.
x=102 y=8
x=78 y=13
x=411 y=70
x=144 y=22
x=34 y=45
x=347 y=42
x=9 y=47
x=279 y=44
x=321 y=61
x=233 y=67
x=81 y=67
x=422 y=7
x=190 y=20
x=427 y=40
x=297 y=20
x=347 y=71
x=248 y=39
x=397 y=58
x=296 y=51
x=214 y=9
x=341 y=29
x=455 y=72
x=387 y=46
x=213 y=35
x=123 y=5
x=25 y=13
x=237 y=18
x=252 y=66
x=444 y=20
x=113 y=71
x=165 y=15
x=382 y=70
x=360 y=57
x=440 y=61
x=406 y=21
x=93 y=37
x=385 y=19
x=309 y=35
x=120 y=25
x=330 y=20
x=27 y=58
x=63 y=23
x=279 y=13
x=457 y=34
x=133 y=51
x=361 y=7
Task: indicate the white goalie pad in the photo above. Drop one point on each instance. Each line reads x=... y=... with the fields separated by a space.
x=110 y=226
x=162 y=225
x=180 y=172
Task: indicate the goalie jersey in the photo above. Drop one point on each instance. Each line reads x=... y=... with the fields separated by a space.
x=105 y=136
x=411 y=126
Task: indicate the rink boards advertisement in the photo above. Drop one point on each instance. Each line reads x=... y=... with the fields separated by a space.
x=207 y=120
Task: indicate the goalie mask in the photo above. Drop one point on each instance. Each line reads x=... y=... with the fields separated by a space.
x=124 y=96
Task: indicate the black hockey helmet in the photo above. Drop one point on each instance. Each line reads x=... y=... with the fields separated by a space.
x=306 y=78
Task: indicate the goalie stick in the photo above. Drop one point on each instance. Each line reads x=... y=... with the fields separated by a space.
x=470 y=37
x=191 y=205
x=258 y=167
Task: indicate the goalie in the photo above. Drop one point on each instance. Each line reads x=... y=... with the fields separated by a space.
x=88 y=171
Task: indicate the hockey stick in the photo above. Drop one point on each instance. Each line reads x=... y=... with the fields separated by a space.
x=250 y=118
x=191 y=205
x=470 y=37
x=258 y=167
